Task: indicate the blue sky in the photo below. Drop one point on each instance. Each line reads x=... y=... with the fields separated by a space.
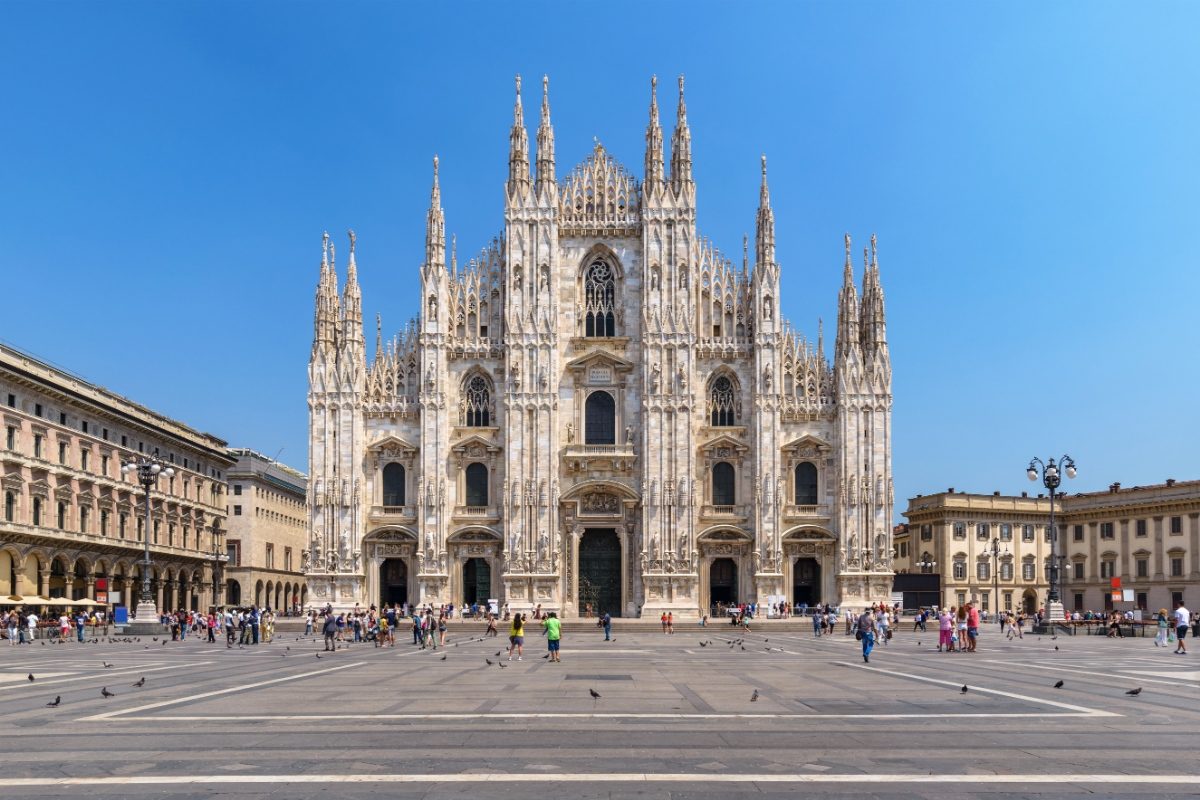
x=1030 y=170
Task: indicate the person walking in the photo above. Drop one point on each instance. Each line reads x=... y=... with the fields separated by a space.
x=1183 y=618
x=329 y=630
x=308 y=623
x=1160 y=620
x=552 y=627
x=866 y=634
x=14 y=621
x=972 y=626
x=945 y=631
x=606 y=623
x=817 y=620
x=516 y=637
x=881 y=622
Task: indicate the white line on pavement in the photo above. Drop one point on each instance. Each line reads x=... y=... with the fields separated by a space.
x=1109 y=675
x=1094 y=712
x=437 y=717
x=189 y=698
x=88 y=673
x=600 y=777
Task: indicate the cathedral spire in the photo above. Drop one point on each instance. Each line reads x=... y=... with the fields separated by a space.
x=325 y=317
x=764 y=239
x=654 y=141
x=873 y=320
x=378 y=335
x=847 y=333
x=435 y=225
x=518 y=150
x=352 y=300
x=545 y=140
x=681 y=147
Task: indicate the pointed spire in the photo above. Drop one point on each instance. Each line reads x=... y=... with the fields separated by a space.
x=745 y=253
x=655 y=171
x=847 y=333
x=378 y=335
x=764 y=239
x=454 y=253
x=821 y=337
x=545 y=140
x=323 y=318
x=681 y=147
x=435 y=225
x=518 y=150
x=873 y=322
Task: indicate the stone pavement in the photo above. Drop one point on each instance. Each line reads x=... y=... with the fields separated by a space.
x=673 y=719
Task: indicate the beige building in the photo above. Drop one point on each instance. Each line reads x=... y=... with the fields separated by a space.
x=73 y=523
x=1148 y=537
x=268 y=525
x=600 y=408
x=982 y=546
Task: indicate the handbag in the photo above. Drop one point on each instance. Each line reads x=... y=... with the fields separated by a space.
x=858 y=635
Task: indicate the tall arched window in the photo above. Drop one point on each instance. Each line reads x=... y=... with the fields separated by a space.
x=477 y=403
x=722 y=402
x=477 y=484
x=599 y=300
x=722 y=487
x=393 y=485
x=62 y=516
x=10 y=507
x=806 y=484
x=600 y=419
x=37 y=511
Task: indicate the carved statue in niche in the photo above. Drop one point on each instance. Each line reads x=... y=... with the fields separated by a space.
x=433 y=307
x=514 y=541
x=543 y=544
x=682 y=378
x=570 y=432
x=517 y=278
x=655 y=377
x=767 y=309
x=304 y=561
x=628 y=434
x=654 y=279
x=516 y=374
x=333 y=561
x=544 y=280
x=768 y=377
x=866 y=491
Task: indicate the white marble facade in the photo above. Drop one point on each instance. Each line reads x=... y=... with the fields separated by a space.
x=600 y=409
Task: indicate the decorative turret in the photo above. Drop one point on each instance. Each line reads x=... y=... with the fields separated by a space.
x=545 y=142
x=352 y=329
x=681 y=149
x=654 y=145
x=518 y=151
x=325 y=319
x=764 y=230
x=435 y=226
x=847 y=334
x=872 y=319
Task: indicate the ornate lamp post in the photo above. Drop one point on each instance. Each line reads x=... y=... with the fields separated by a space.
x=926 y=565
x=148 y=469
x=995 y=551
x=1051 y=478
x=219 y=559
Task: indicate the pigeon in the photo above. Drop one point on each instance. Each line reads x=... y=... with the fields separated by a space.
x=754 y=697
x=704 y=644
x=918 y=644
x=963 y=689
x=1055 y=647
x=106 y=693
x=57 y=700
x=1058 y=685
x=546 y=656
x=141 y=683
x=1134 y=692
x=31 y=678
x=498 y=652
x=489 y=661
x=318 y=655
x=106 y=665
x=155 y=638
x=503 y=665
x=164 y=641
x=595 y=695
x=443 y=656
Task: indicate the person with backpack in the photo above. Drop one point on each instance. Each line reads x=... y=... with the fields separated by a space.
x=865 y=633
x=606 y=623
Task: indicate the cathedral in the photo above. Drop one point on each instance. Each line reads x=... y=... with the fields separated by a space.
x=600 y=412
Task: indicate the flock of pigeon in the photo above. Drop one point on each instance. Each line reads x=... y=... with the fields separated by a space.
x=104 y=692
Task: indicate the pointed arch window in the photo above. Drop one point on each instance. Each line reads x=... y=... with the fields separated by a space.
x=723 y=493
x=599 y=300
x=722 y=403
x=393 y=484
x=477 y=484
x=600 y=419
x=806 y=484
x=477 y=403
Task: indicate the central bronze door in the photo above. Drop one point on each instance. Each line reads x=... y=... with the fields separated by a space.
x=600 y=571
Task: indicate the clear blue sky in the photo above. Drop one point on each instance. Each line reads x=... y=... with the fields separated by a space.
x=1031 y=171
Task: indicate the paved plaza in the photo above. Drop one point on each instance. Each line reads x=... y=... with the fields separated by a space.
x=673 y=719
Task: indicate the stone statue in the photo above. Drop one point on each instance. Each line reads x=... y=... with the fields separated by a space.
x=655 y=377
x=304 y=561
x=333 y=561
x=628 y=434
x=570 y=432
x=682 y=378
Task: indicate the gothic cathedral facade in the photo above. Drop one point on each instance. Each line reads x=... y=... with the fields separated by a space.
x=599 y=412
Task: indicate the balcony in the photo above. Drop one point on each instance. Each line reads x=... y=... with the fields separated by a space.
x=392 y=514
x=613 y=458
x=477 y=513
x=806 y=512
x=723 y=513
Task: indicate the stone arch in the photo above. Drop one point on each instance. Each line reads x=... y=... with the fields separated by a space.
x=723 y=394
x=599 y=283
x=477 y=399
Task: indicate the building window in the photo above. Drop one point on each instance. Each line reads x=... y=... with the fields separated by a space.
x=157 y=528
x=599 y=300
x=237 y=489
x=1078 y=533
x=904 y=549
x=62 y=452
x=237 y=511
x=170 y=534
x=1176 y=566
x=1008 y=601
x=1006 y=531
x=287 y=559
x=1028 y=571
x=960 y=530
x=983 y=570
x=722 y=404
x=1077 y=570
x=1106 y=530
x=1026 y=533
x=477 y=403
x=723 y=484
x=600 y=419
x=103 y=522
x=37 y=409
x=104 y=434
x=62 y=418
x=124 y=440
x=10 y=440
x=1141 y=600
x=1006 y=571
x=1141 y=527
x=806 y=484
x=12 y=401
x=962 y=598
x=62 y=516
x=1079 y=601
x=83 y=519
x=926 y=533
x=270 y=562
x=982 y=531
x=10 y=508
x=122 y=521
x=104 y=466
x=1143 y=568
x=1050 y=533
x=477 y=484
x=233 y=552
x=1107 y=569
x=141 y=524
x=37 y=511
x=984 y=598
x=1176 y=597
x=84 y=458
x=393 y=484
x=1176 y=525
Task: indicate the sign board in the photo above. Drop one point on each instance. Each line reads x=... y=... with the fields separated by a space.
x=1116 y=596
x=102 y=597
x=493 y=605
x=1128 y=596
x=1115 y=582
x=121 y=615
x=114 y=598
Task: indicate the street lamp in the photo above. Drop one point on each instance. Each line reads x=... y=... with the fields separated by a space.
x=148 y=469
x=995 y=551
x=219 y=559
x=1051 y=478
x=925 y=564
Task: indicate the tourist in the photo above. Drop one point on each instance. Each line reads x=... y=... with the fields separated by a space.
x=1182 y=618
x=866 y=634
x=882 y=623
x=552 y=629
x=441 y=630
x=670 y=622
x=212 y=627
x=516 y=637
x=491 y=626
x=960 y=629
x=329 y=630
x=972 y=626
x=662 y=620
x=308 y=622
x=606 y=623
x=13 y=622
x=1160 y=619
x=818 y=621
x=945 y=631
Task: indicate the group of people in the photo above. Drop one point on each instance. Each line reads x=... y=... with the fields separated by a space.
x=23 y=627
